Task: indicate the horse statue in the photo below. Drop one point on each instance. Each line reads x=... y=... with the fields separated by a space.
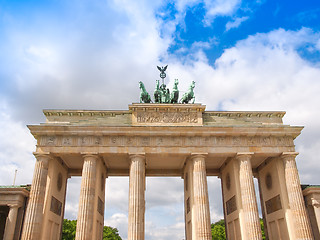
x=157 y=93
x=175 y=92
x=188 y=96
x=144 y=95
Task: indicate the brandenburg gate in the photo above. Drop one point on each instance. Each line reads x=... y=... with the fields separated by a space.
x=181 y=140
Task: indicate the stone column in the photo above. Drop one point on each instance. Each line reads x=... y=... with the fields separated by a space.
x=33 y=218
x=316 y=207
x=87 y=194
x=11 y=222
x=248 y=197
x=301 y=225
x=201 y=227
x=136 y=198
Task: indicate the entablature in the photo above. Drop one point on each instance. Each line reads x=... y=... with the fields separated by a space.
x=142 y=114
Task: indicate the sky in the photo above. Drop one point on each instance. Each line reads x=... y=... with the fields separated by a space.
x=81 y=54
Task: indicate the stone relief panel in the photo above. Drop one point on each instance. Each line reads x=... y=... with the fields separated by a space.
x=100 y=206
x=169 y=117
x=273 y=204
x=204 y=141
x=56 y=206
x=231 y=205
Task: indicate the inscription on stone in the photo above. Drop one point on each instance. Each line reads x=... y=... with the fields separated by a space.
x=157 y=117
x=56 y=206
x=100 y=206
x=273 y=204
x=231 y=205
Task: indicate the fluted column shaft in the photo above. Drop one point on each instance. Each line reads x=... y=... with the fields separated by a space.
x=316 y=207
x=302 y=225
x=86 y=202
x=248 y=197
x=202 y=226
x=33 y=218
x=136 y=198
x=11 y=222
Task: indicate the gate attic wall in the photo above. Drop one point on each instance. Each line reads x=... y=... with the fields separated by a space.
x=180 y=140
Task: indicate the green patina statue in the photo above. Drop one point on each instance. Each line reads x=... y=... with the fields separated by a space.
x=162 y=93
x=165 y=94
x=144 y=95
x=188 y=96
x=157 y=93
x=175 y=92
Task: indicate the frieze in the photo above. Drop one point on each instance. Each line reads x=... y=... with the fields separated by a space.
x=168 y=117
x=168 y=141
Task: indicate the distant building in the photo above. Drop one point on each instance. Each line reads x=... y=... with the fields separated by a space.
x=13 y=202
x=311 y=194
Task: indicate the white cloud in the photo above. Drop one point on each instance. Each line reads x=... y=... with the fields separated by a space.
x=182 y=5
x=220 y=8
x=119 y=221
x=16 y=147
x=154 y=232
x=95 y=63
x=235 y=23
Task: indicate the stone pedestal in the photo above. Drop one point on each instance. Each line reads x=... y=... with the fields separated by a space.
x=301 y=224
x=11 y=222
x=248 y=198
x=136 y=198
x=87 y=196
x=33 y=219
x=201 y=226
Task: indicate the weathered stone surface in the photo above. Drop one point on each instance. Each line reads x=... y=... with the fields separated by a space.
x=136 y=198
x=300 y=217
x=173 y=140
x=34 y=214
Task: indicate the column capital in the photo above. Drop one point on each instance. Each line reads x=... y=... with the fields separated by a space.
x=314 y=202
x=244 y=155
x=198 y=155
x=289 y=155
x=14 y=205
x=90 y=154
x=42 y=154
x=43 y=157
x=140 y=156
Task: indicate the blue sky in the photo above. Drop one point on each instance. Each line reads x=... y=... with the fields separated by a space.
x=81 y=54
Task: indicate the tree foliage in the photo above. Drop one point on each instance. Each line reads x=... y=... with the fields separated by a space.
x=218 y=230
x=110 y=233
x=69 y=231
x=219 y=233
